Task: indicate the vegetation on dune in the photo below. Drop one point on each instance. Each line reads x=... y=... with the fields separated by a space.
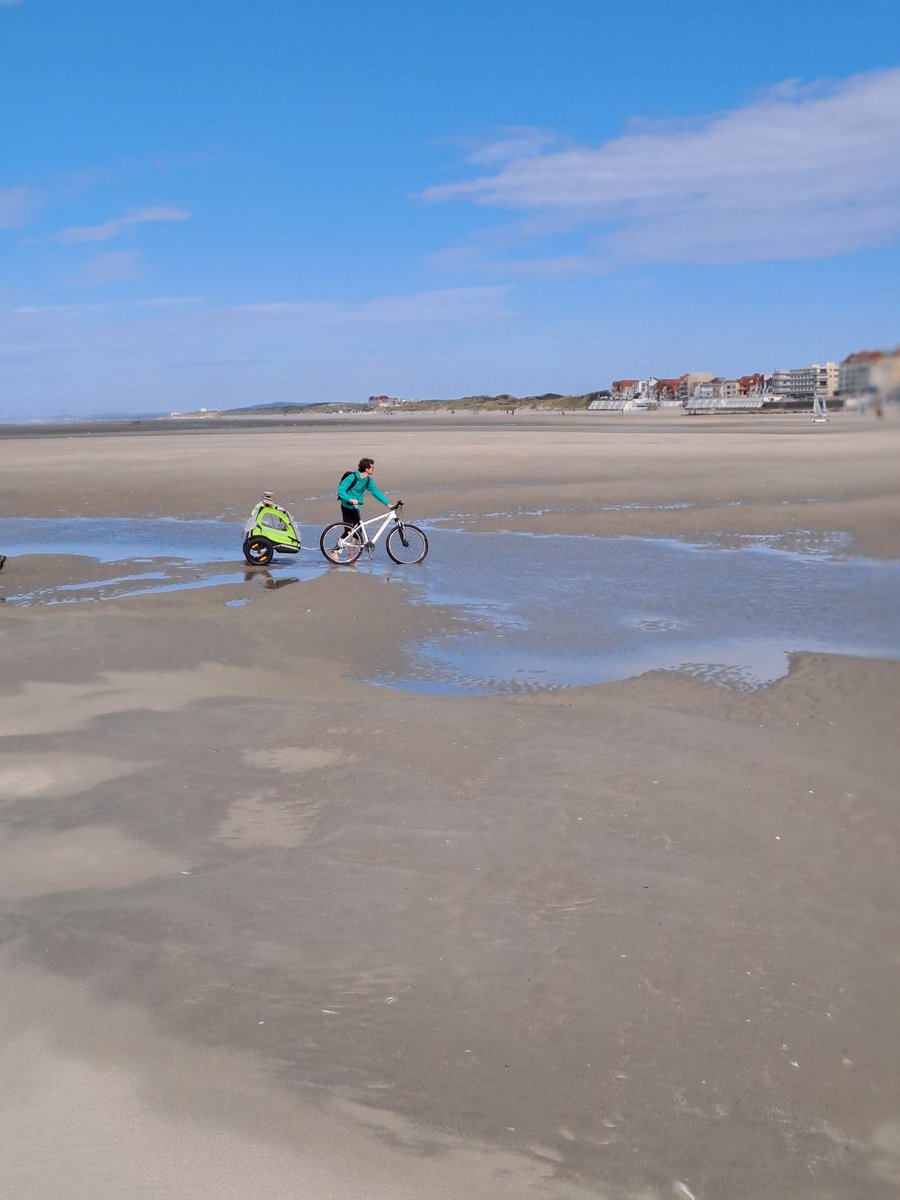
x=292 y=410
x=503 y=402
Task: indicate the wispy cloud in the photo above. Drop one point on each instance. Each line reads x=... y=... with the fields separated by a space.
x=107 y=230
x=517 y=141
x=10 y=3
x=486 y=260
x=112 y=307
x=804 y=171
x=454 y=304
x=116 y=266
x=16 y=204
x=179 y=329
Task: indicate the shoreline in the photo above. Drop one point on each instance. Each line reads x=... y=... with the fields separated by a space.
x=221 y=422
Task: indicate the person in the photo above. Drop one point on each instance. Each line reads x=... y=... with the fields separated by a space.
x=2 y=561
x=352 y=490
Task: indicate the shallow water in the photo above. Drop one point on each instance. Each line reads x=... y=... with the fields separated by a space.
x=538 y=610
x=121 y=539
x=579 y=610
x=178 y=555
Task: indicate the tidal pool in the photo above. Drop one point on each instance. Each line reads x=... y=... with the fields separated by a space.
x=536 y=610
x=573 y=610
x=175 y=555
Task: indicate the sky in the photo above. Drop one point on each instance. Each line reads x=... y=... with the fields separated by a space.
x=223 y=204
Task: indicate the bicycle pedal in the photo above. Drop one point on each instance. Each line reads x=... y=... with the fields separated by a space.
x=370 y=545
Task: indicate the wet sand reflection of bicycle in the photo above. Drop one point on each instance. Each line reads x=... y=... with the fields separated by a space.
x=267 y=579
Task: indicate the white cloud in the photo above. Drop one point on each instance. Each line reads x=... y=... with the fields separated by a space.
x=116 y=266
x=15 y=205
x=10 y=3
x=455 y=304
x=805 y=171
x=470 y=304
x=78 y=235
x=110 y=307
x=460 y=259
x=518 y=141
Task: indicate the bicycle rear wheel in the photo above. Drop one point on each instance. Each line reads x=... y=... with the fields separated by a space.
x=341 y=544
x=407 y=544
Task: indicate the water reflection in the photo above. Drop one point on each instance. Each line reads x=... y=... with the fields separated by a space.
x=268 y=580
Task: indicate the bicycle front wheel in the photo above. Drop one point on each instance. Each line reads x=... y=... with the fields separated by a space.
x=407 y=544
x=341 y=544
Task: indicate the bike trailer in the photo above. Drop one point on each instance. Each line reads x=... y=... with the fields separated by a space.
x=270 y=530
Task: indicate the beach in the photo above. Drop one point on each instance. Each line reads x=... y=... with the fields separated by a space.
x=272 y=928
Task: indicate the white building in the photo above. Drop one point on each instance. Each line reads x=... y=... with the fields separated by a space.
x=856 y=372
x=885 y=376
x=707 y=389
x=717 y=389
x=623 y=389
x=803 y=383
x=688 y=384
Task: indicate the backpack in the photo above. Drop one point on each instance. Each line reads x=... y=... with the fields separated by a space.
x=347 y=474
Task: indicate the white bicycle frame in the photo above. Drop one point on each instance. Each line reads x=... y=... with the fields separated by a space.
x=369 y=543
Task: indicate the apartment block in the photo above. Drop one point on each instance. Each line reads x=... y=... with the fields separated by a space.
x=856 y=372
x=688 y=384
x=802 y=383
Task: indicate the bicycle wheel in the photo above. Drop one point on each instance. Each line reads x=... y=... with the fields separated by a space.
x=407 y=544
x=258 y=551
x=340 y=544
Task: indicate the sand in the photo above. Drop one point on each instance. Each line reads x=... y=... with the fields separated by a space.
x=633 y=941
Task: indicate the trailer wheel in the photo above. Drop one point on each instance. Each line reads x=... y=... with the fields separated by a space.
x=258 y=551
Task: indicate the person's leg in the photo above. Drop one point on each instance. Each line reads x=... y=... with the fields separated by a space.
x=350 y=516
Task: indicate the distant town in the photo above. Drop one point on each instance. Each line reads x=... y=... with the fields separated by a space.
x=863 y=378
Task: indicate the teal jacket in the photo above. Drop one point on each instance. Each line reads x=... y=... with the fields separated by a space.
x=356 y=487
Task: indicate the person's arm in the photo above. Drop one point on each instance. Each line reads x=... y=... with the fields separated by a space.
x=379 y=495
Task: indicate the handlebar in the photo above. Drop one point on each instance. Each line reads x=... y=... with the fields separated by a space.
x=397 y=505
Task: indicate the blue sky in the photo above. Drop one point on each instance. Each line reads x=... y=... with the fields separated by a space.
x=220 y=204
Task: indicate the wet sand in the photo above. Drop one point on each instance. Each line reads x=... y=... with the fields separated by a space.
x=269 y=930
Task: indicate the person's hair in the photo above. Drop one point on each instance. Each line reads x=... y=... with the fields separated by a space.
x=365 y=463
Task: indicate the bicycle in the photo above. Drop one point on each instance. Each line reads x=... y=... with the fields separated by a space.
x=341 y=543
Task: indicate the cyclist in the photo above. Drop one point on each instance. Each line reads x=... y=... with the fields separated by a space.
x=352 y=490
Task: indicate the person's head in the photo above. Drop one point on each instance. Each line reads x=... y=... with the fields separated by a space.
x=366 y=466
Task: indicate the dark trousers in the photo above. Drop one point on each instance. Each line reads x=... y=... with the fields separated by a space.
x=350 y=516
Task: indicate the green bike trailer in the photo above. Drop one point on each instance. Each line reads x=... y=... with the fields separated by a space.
x=270 y=530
